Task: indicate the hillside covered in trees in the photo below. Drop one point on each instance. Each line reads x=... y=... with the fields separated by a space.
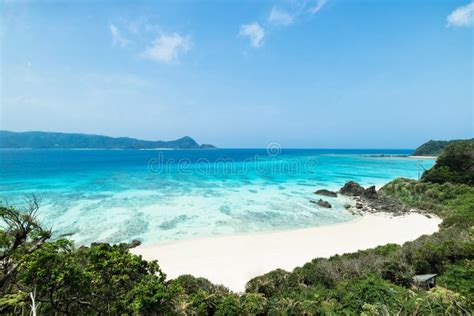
x=47 y=140
x=435 y=147
x=54 y=276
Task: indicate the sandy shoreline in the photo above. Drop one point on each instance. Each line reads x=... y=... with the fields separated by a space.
x=423 y=157
x=233 y=260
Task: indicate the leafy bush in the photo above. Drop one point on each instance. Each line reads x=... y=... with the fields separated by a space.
x=398 y=271
x=459 y=277
x=254 y=304
x=355 y=294
x=191 y=285
x=455 y=165
x=200 y=303
x=101 y=279
x=453 y=202
x=430 y=254
x=269 y=284
x=439 y=301
x=229 y=306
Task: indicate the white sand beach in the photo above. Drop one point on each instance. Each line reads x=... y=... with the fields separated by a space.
x=233 y=260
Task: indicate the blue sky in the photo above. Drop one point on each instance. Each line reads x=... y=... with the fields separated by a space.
x=332 y=74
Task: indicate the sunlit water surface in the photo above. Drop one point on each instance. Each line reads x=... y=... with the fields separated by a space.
x=153 y=195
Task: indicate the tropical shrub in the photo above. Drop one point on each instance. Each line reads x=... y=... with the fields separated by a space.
x=455 y=165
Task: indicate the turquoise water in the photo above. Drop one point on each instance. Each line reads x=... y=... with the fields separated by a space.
x=153 y=195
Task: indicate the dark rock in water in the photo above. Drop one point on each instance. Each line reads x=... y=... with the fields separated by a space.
x=347 y=206
x=326 y=193
x=325 y=204
x=352 y=188
x=359 y=205
x=370 y=193
x=322 y=203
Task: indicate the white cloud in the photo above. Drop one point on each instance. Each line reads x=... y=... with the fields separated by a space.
x=254 y=32
x=117 y=38
x=166 y=48
x=317 y=7
x=462 y=16
x=281 y=17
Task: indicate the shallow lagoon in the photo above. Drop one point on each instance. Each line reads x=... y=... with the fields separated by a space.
x=154 y=195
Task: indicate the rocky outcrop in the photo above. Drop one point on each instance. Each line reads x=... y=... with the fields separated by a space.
x=352 y=188
x=387 y=204
x=322 y=203
x=326 y=193
x=379 y=203
x=370 y=193
x=369 y=200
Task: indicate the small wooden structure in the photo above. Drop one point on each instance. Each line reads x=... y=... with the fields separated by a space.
x=425 y=281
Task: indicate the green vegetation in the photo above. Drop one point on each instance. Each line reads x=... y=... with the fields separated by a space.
x=454 y=203
x=56 y=277
x=68 y=140
x=455 y=165
x=435 y=147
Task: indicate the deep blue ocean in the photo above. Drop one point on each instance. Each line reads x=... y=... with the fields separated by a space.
x=159 y=195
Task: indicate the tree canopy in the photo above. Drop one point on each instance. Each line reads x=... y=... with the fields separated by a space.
x=455 y=165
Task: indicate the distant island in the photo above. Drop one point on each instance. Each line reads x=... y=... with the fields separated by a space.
x=435 y=147
x=50 y=140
